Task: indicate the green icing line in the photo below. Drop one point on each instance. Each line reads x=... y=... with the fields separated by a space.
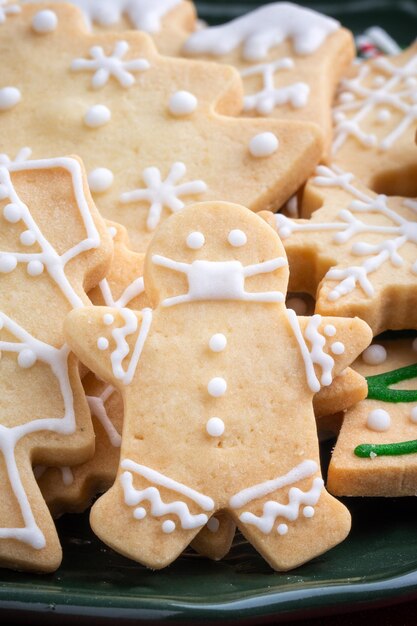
x=386 y=449
x=379 y=386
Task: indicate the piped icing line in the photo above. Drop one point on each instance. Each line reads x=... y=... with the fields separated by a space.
x=304 y=470
x=122 y=347
x=403 y=231
x=144 y=15
x=315 y=356
x=379 y=385
x=163 y=193
x=373 y=450
x=262 y=29
x=132 y=291
x=391 y=91
x=23 y=155
x=48 y=257
x=265 y=100
x=105 y=66
x=98 y=409
x=220 y=280
x=8 y=9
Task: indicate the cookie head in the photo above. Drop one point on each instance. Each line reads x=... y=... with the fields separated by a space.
x=215 y=251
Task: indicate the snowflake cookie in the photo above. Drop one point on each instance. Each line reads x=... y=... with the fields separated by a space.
x=169 y=22
x=153 y=132
x=375 y=121
x=376 y=452
x=357 y=253
x=290 y=59
x=53 y=246
x=217 y=418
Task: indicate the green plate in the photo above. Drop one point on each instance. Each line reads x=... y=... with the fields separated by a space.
x=377 y=564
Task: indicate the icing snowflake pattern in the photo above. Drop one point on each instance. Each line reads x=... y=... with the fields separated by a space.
x=163 y=193
x=21 y=156
x=401 y=231
x=7 y=9
x=105 y=66
x=394 y=88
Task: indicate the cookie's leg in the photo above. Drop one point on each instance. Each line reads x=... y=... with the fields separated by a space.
x=286 y=535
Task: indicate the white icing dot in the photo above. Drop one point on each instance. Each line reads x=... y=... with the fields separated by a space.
x=112 y=230
x=26 y=358
x=217 y=342
x=168 y=526
x=35 y=268
x=213 y=524
x=337 y=347
x=379 y=420
x=284 y=232
x=97 y=115
x=282 y=529
x=108 y=319
x=217 y=387
x=102 y=343
x=308 y=511
x=339 y=117
x=374 y=355
x=27 y=238
x=298 y=305
x=237 y=238
x=9 y=97
x=139 y=513
x=12 y=213
x=413 y=414
x=263 y=145
x=330 y=330
x=195 y=240
x=182 y=103
x=44 y=22
x=100 y=179
x=372 y=455
x=7 y=263
x=215 y=427
x=383 y=116
x=379 y=81
x=345 y=97
x=3 y=192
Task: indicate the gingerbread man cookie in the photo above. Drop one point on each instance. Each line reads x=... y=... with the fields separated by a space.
x=217 y=418
x=290 y=59
x=356 y=252
x=376 y=452
x=151 y=130
x=53 y=247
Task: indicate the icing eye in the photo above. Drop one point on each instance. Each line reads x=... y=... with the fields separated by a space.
x=195 y=240
x=237 y=238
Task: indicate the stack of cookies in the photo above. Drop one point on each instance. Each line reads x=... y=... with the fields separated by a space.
x=204 y=230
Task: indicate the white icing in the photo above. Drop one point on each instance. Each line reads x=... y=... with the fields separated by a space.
x=265 y=100
x=413 y=415
x=26 y=358
x=143 y=15
x=282 y=529
x=168 y=526
x=102 y=343
x=98 y=409
x=35 y=268
x=263 y=29
x=218 y=342
x=314 y=356
x=220 y=280
x=159 y=508
x=308 y=511
x=305 y=469
x=215 y=427
x=132 y=291
x=395 y=92
x=382 y=39
x=163 y=193
x=27 y=238
x=105 y=66
x=100 y=179
x=337 y=347
x=329 y=330
x=9 y=97
x=374 y=355
x=44 y=22
x=23 y=155
x=263 y=145
x=122 y=349
x=108 y=319
x=379 y=420
x=237 y=238
x=67 y=476
x=182 y=103
x=8 y=9
x=401 y=232
x=196 y=240
x=217 y=387
x=97 y=115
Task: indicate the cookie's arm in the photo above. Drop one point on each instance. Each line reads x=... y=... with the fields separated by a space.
x=108 y=340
